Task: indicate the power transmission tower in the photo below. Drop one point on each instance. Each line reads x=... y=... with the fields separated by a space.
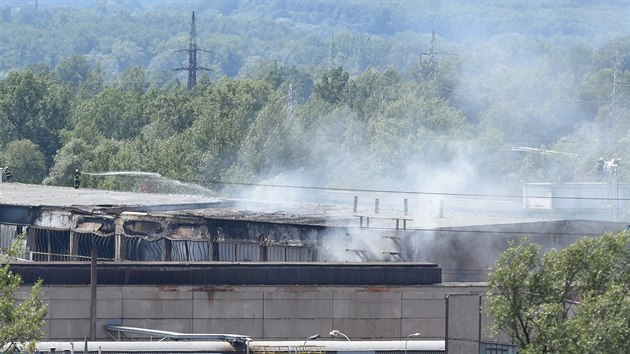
x=614 y=124
x=432 y=60
x=192 y=56
x=290 y=99
x=332 y=51
x=614 y=99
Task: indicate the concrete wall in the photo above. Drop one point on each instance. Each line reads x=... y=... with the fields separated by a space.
x=464 y=332
x=261 y=312
x=468 y=327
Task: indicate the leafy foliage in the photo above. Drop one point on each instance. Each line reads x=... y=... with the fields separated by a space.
x=73 y=156
x=570 y=301
x=22 y=315
x=26 y=160
x=21 y=321
x=34 y=107
x=333 y=86
x=365 y=98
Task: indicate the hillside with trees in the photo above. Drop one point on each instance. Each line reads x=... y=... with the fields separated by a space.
x=415 y=96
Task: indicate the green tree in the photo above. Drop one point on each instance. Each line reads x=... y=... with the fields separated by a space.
x=169 y=112
x=92 y=85
x=21 y=317
x=270 y=145
x=112 y=113
x=73 y=70
x=134 y=80
x=333 y=86
x=224 y=113
x=570 y=301
x=33 y=106
x=368 y=92
x=71 y=157
x=26 y=161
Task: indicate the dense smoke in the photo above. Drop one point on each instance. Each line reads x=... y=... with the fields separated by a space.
x=521 y=97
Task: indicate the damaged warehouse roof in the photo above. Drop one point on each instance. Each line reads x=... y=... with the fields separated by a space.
x=26 y=196
x=61 y=224
x=39 y=195
x=192 y=234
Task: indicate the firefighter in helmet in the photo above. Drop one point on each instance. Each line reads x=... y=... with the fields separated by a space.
x=8 y=174
x=77 y=179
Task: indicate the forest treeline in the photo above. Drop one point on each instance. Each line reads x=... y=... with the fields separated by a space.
x=237 y=34
x=494 y=114
x=378 y=129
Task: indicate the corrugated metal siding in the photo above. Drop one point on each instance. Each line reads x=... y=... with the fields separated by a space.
x=7 y=236
x=238 y=252
x=227 y=252
x=246 y=252
x=296 y=254
x=54 y=245
x=49 y=245
x=193 y=251
x=275 y=254
x=150 y=250
x=288 y=254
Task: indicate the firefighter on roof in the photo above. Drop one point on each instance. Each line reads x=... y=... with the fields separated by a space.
x=8 y=174
x=77 y=179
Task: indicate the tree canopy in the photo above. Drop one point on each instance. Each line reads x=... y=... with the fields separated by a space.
x=570 y=301
x=355 y=101
x=22 y=313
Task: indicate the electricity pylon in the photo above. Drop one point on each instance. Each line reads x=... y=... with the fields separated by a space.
x=192 y=56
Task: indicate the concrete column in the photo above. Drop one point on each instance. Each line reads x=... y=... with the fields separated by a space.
x=74 y=245
x=48 y=246
x=93 y=282
x=168 y=249
x=118 y=240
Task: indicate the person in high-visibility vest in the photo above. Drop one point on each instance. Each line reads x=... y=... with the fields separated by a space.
x=8 y=174
x=77 y=179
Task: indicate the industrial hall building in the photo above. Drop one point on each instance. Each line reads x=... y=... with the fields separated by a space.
x=374 y=267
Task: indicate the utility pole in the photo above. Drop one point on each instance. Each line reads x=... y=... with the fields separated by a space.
x=192 y=56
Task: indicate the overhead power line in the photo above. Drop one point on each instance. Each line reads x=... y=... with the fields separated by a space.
x=391 y=191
